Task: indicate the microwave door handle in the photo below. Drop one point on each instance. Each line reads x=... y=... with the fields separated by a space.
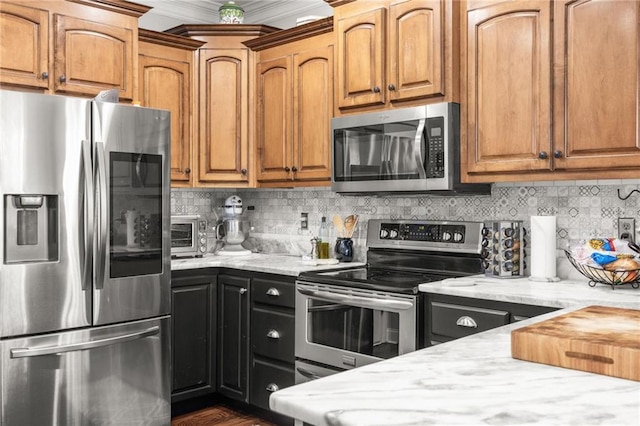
x=86 y=213
x=361 y=302
x=419 y=154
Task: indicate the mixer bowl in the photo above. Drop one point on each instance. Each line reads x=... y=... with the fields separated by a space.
x=233 y=231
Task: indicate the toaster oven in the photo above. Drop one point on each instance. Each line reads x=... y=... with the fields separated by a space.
x=188 y=236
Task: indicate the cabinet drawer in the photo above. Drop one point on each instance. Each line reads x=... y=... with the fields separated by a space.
x=459 y=321
x=272 y=292
x=272 y=334
x=266 y=379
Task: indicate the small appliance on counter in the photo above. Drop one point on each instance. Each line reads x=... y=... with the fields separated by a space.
x=188 y=236
x=233 y=229
x=503 y=249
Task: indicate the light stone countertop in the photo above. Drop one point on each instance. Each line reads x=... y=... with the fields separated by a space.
x=259 y=262
x=474 y=380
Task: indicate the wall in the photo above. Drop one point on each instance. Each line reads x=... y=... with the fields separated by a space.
x=584 y=209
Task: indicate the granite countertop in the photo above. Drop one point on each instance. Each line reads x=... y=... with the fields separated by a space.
x=259 y=262
x=474 y=380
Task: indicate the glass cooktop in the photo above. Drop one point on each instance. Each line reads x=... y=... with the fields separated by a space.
x=376 y=279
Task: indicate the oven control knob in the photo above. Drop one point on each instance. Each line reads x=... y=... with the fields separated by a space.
x=457 y=237
x=384 y=233
x=393 y=234
x=446 y=236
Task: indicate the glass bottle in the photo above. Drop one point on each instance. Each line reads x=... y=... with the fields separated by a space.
x=323 y=239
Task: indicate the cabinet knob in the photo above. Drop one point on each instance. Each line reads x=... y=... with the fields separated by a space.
x=63 y=78
x=287 y=169
x=392 y=87
x=273 y=334
x=466 y=321
x=557 y=154
x=272 y=387
x=45 y=75
x=244 y=172
x=543 y=155
x=294 y=169
x=273 y=292
x=187 y=170
x=243 y=290
x=376 y=89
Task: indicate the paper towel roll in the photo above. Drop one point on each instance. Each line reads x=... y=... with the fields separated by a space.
x=543 y=248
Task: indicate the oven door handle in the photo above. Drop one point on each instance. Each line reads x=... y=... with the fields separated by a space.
x=361 y=302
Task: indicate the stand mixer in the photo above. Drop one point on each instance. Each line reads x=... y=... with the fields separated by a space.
x=232 y=229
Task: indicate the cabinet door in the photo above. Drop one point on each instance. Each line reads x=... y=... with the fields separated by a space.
x=92 y=56
x=508 y=65
x=274 y=120
x=597 y=86
x=361 y=49
x=415 y=50
x=233 y=336
x=193 y=320
x=312 y=112
x=24 y=46
x=166 y=84
x=224 y=98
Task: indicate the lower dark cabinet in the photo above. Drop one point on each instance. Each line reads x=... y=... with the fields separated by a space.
x=233 y=336
x=267 y=378
x=452 y=317
x=193 y=322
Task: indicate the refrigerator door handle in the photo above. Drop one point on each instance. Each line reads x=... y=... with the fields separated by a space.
x=73 y=347
x=86 y=214
x=101 y=239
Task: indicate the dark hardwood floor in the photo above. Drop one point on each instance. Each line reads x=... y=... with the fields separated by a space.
x=219 y=415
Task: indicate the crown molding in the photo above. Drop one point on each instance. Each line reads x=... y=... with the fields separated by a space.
x=318 y=27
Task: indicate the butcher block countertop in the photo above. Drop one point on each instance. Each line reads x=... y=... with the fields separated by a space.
x=475 y=380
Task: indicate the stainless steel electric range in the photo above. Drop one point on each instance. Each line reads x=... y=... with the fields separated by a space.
x=353 y=317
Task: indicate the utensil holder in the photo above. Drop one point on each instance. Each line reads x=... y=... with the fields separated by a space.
x=344 y=249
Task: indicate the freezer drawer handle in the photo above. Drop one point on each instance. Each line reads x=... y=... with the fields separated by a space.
x=55 y=350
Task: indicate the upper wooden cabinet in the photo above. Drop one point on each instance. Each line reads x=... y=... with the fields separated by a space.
x=295 y=105
x=77 y=48
x=550 y=90
x=508 y=86
x=225 y=114
x=596 y=107
x=167 y=81
x=396 y=53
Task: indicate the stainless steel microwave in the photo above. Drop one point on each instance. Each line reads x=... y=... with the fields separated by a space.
x=410 y=150
x=188 y=236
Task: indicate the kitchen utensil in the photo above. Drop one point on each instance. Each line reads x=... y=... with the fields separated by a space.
x=349 y=225
x=597 y=339
x=338 y=224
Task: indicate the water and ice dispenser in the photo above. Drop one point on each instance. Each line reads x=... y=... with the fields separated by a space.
x=31 y=228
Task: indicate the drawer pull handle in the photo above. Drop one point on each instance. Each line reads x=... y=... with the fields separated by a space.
x=273 y=334
x=272 y=387
x=466 y=321
x=273 y=292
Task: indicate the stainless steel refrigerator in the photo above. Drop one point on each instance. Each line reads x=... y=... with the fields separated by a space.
x=84 y=262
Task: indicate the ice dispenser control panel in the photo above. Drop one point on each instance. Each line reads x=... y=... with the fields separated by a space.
x=31 y=228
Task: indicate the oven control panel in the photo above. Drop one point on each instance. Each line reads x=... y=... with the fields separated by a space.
x=437 y=233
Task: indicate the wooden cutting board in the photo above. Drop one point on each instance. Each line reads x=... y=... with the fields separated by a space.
x=597 y=339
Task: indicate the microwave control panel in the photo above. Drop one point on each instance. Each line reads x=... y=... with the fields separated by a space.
x=434 y=166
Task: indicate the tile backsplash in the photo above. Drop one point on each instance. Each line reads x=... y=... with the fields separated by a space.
x=583 y=209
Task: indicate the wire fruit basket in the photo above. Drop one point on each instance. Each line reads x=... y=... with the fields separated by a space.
x=602 y=276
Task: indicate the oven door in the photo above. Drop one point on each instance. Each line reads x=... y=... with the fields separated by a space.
x=344 y=327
